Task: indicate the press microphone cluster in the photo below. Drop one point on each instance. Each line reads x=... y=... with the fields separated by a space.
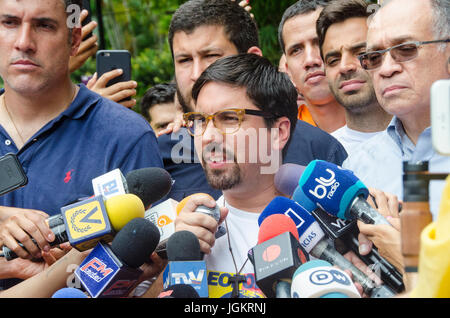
x=117 y=200
x=112 y=271
x=342 y=232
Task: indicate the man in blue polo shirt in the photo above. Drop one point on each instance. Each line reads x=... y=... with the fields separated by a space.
x=64 y=135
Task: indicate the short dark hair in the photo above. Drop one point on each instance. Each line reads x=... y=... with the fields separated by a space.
x=269 y=89
x=298 y=8
x=159 y=94
x=338 y=11
x=238 y=25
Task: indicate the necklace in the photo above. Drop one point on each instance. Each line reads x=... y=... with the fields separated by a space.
x=12 y=121
x=14 y=124
x=237 y=279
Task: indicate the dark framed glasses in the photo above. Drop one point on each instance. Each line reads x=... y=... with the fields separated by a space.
x=227 y=121
x=400 y=53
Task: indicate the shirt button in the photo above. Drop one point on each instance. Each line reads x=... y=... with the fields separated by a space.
x=7 y=142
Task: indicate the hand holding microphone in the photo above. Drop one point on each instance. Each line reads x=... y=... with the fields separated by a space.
x=204 y=225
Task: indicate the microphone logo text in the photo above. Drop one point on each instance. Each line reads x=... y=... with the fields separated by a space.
x=96 y=270
x=320 y=191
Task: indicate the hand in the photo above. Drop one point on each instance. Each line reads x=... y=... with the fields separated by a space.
x=387 y=205
x=153 y=268
x=24 y=269
x=117 y=92
x=173 y=127
x=246 y=6
x=88 y=47
x=202 y=225
x=21 y=226
x=355 y=260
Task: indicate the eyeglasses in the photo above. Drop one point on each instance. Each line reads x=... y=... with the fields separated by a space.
x=227 y=121
x=400 y=53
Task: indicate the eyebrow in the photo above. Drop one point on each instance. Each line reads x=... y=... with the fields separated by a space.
x=352 y=49
x=41 y=20
x=393 y=42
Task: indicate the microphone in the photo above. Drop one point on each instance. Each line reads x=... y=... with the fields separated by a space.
x=149 y=184
x=185 y=263
x=164 y=214
x=113 y=271
x=69 y=292
x=344 y=235
x=87 y=222
x=319 y=279
x=277 y=255
x=318 y=246
x=339 y=192
x=287 y=176
x=179 y=291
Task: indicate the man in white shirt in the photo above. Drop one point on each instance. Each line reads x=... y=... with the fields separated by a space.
x=226 y=142
x=342 y=31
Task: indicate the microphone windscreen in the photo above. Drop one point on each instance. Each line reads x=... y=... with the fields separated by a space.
x=135 y=242
x=287 y=177
x=179 y=291
x=149 y=184
x=275 y=225
x=331 y=187
x=69 y=292
x=183 y=246
x=122 y=208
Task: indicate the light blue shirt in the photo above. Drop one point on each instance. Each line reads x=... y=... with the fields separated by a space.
x=379 y=162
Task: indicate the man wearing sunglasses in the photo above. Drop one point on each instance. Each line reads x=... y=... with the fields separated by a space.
x=407 y=51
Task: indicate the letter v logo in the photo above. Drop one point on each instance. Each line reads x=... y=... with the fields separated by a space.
x=87 y=217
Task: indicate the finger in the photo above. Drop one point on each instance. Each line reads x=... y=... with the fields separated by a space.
x=393 y=204
x=84 y=13
x=167 y=130
x=365 y=245
x=395 y=222
x=88 y=28
x=48 y=258
x=91 y=83
x=223 y=214
x=42 y=225
x=31 y=231
x=15 y=235
x=119 y=87
x=381 y=201
x=129 y=103
x=87 y=44
x=105 y=78
x=206 y=237
x=121 y=95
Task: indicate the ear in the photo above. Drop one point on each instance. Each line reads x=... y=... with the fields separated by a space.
x=255 y=50
x=75 y=40
x=280 y=140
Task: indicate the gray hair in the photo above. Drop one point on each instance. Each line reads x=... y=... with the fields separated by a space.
x=440 y=20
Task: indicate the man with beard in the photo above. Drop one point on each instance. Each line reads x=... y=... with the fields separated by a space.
x=200 y=33
x=342 y=30
x=235 y=97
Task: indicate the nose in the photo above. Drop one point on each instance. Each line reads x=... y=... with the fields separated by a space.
x=197 y=69
x=312 y=57
x=348 y=64
x=389 y=67
x=25 y=41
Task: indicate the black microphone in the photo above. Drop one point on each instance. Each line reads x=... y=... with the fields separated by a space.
x=113 y=271
x=185 y=263
x=149 y=184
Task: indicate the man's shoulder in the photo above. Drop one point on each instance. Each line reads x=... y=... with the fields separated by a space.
x=309 y=143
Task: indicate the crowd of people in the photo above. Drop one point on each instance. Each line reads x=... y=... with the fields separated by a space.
x=352 y=88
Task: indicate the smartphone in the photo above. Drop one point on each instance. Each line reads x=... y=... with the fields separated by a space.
x=440 y=116
x=88 y=19
x=108 y=60
x=12 y=175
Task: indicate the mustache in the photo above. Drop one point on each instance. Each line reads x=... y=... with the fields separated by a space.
x=217 y=148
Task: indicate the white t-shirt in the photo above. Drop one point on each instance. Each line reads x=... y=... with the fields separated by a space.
x=243 y=233
x=350 y=138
